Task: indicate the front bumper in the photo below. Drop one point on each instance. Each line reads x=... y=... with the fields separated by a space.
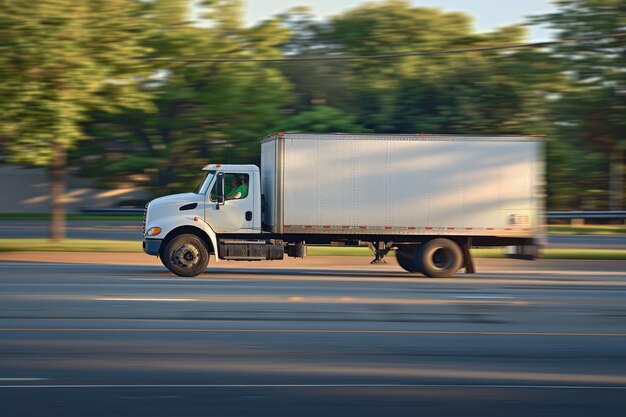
x=152 y=246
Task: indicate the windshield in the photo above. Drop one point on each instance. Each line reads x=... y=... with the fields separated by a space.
x=204 y=184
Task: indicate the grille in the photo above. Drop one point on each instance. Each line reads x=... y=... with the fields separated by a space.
x=145 y=214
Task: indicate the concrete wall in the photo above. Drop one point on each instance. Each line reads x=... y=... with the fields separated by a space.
x=26 y=190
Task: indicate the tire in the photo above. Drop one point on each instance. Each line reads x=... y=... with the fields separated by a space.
x=439 y=258
x=185 y=255
x=406 y=255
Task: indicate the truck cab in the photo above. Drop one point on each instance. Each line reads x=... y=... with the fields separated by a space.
x=227 y=202
x=227 y=210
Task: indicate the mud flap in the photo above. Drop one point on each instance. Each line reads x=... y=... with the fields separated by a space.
x=468 y=260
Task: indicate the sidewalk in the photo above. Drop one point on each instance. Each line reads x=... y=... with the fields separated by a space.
x=81 y=258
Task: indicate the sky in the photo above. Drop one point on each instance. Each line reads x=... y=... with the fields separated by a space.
x=488 y=14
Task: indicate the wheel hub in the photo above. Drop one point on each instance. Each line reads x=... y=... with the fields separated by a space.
x=442 y=258
x=186 y=256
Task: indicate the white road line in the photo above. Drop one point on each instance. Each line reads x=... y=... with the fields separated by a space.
x=143 y=299
x=468 y=386
x=489 y=297
x=23 y=379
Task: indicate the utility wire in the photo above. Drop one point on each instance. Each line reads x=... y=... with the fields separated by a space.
x=393 y=55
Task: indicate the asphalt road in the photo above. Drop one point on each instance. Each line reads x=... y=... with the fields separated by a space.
x=316 y=337
x=131 y=230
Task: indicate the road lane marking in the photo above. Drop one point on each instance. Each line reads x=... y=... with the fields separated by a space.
x=23 y=379
x=147 y=397
x=316 y=331
x=244 y=386
x=143 y=299
x=284 y=299
x=481 y=297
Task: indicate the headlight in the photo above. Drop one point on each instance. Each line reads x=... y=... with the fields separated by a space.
x=153 y=231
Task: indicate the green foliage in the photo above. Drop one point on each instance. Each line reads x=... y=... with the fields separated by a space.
x=60 y=58
x=205 y=111
x=577 y=178
x=455 y=93
x=530 y=91
x=321 y=119
x=76 y=72
x=589 y=112
x=594 y=102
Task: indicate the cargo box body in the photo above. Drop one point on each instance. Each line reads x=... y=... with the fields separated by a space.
x=356 y=184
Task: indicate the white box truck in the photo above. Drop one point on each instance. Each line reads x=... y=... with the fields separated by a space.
x=428 y=197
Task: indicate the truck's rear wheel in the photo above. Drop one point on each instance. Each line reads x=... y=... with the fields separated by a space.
x=406 y=255
x=439 y=258
x=185 y=255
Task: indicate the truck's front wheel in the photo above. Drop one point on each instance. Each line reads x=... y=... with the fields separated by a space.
x=185 y=255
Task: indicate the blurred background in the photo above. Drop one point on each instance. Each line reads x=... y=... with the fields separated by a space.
x=106 y=104
x=109 y=103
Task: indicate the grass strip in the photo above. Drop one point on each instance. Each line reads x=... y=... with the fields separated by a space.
x=588 y=254
x=69 y=245
x=87 y=245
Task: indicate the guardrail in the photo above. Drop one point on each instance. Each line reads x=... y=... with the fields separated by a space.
x=113 y=211
x=578 y=218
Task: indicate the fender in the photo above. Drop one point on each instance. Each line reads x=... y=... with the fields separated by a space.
x=170 y=223
x=210 y=233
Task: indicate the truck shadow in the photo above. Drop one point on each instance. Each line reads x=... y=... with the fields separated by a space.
x=282 y=272
x=311 y=273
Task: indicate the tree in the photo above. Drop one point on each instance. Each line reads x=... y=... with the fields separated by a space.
x=479 y=92
x=485 y=92
x=205 y=111
x=59 y=59
x=321 y=119
x=591 y=111
x=315 y=82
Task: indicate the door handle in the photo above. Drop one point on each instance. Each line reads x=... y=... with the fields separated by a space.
x=248 y=216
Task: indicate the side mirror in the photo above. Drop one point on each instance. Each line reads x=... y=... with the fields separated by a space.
x=220 y=189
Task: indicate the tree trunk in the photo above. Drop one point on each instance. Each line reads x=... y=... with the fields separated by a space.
x=616 y=180
x=57 y=191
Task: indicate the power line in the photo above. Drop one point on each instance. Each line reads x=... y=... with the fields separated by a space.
x=393 y=55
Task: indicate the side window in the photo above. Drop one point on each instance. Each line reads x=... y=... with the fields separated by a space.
x=235 y=187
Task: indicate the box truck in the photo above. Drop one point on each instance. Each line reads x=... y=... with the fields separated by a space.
x=429 y=198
